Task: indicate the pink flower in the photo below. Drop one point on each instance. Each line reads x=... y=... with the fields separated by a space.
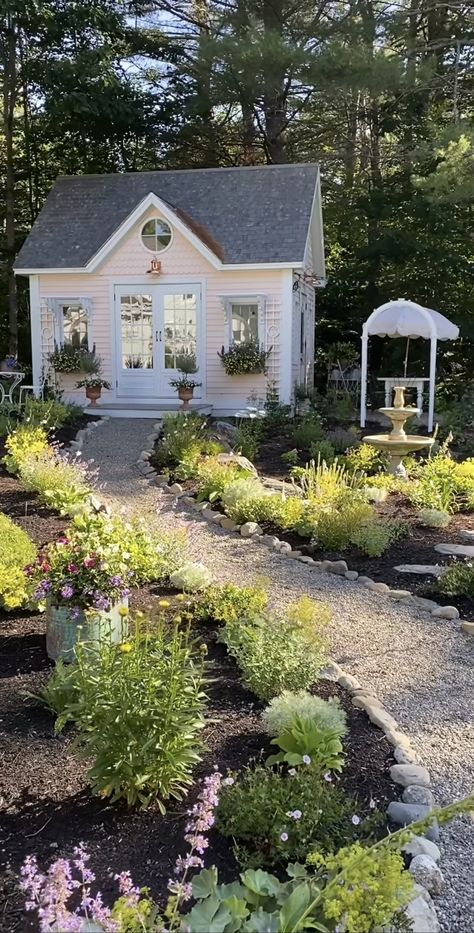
x=73 y=568
x=90 y=562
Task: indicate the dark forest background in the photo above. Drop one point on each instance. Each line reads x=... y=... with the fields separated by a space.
x=381 y=94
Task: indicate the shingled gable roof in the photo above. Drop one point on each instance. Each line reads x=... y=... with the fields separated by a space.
x=242 y=215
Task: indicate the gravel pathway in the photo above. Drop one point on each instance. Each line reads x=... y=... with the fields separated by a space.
x=421 y=668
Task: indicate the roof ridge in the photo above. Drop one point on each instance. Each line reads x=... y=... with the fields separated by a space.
x=183 y=171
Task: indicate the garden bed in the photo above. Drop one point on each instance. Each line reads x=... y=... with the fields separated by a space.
x=47 y=805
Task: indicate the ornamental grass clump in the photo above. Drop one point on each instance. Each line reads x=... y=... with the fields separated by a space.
x=139 y=711
x=280 y=653
x=16 y=551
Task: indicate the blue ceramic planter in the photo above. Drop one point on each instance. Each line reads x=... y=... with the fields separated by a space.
x=63 y=632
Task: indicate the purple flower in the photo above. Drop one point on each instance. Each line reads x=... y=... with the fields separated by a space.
x=296 y=815
x=306 y=759
x=328 y=776
x=116 y=580
x=101 y=602
x=67 y=591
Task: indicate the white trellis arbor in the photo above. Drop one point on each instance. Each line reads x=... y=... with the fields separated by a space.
x=405 y=319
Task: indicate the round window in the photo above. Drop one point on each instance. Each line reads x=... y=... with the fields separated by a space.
x=156 y=235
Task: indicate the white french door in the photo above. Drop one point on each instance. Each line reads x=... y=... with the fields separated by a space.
x=155 y=325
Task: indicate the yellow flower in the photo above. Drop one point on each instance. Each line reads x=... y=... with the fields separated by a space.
x=180 y=598
x=178 y=619
x=126 y=647
x=164 y=603
x=123 y=611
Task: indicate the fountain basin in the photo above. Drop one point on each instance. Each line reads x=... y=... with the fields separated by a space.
x=397 y=448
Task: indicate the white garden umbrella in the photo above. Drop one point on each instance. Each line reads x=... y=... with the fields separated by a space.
x=403 y=318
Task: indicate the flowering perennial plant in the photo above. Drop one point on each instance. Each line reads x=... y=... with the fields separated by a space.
x=86 y=569
x=201 y=820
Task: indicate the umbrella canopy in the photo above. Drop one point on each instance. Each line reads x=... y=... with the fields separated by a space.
x=408 y=319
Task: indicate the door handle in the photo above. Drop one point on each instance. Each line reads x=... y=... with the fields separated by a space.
x=158 y=336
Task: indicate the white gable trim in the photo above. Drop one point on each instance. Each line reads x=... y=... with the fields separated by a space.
x=316 y=236
x=151 y=200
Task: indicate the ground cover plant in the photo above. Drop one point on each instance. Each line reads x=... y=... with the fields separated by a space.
x=16 y=551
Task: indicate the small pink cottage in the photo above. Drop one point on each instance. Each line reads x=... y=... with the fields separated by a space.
x=151 y=265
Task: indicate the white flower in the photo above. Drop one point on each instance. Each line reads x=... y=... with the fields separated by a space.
x=306 y=759
x=292 y=771
x=296 y=815
x=372 y=804
x=284 y=837
x=227 y=782
x=328 y=776
x=355 y=819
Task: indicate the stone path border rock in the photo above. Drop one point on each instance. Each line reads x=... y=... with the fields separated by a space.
x=249 y=529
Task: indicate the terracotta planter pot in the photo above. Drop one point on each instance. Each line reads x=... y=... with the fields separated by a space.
x=93 y=393
x=63 y=632
x=185 y=395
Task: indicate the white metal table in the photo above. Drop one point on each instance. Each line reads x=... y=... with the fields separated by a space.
x=16 y=378
x=409 y=383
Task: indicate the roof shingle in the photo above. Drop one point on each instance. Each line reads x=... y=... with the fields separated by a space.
x=255 y=215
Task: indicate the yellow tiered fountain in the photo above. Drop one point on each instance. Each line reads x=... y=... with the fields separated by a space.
x=398 y=444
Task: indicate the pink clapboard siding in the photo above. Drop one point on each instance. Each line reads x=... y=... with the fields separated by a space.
x=180 y=262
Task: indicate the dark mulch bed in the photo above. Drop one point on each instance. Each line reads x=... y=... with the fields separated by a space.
x=47 y=807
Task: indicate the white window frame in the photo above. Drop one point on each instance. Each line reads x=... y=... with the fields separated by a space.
x=56 y=307
x=229 y=300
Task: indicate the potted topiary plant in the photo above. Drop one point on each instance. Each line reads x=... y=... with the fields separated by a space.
x=93 y=383
x=83 y=578
x=187 y=366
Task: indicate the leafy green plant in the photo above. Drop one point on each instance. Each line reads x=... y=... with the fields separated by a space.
x=458 y=579
x=183 y=440
x=230 y=603
x=308 y=431
x=25 y=441
x=249 y=437
x=322 y=451
x=51 y=413
x=63 y=482
x=244 y=358
x=373 y=537
x=191 y=577
x=16 y=551
x=186 y=364
x=434 y=518
x=139 y=712
x=152 y=556
x=290 y=457
x=238 y=493
x=276 y=817
x=276 y=654
x=342 y=440
x=441 y=483
x=214 y=477
x=283 y=710
x=365 y=459
x=336 y=527
x=60 y=691
x=303 y=741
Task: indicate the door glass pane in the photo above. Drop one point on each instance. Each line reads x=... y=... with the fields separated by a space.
x=244 y=323
x=180 y=327
x=136 y=328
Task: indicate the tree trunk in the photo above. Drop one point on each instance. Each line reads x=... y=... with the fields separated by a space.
x=9 y=99
x=274 y=97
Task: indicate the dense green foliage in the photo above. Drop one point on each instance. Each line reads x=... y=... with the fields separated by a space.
x=458 y=579
x=16 y=551
x=139 y=711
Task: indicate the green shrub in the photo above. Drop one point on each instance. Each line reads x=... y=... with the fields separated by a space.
x=276 y=654
x=365 y=459
x=153 y=556
x=50 y=413
x=230 y=603
x=458 y=579
x=184 y=439
x=434 y=518
x=16 y=551
x=308 y=431
x=276 y=817
x=249 y=437
x=441 y=483
x=322 y=451
x=282 y=711
x=191 y=578
x=214 y=477
x=60 y=692
x=139 y=711
x=238 y=494
x=336 y=527
x=62 y=482
x=25 y=441
x=373 y=537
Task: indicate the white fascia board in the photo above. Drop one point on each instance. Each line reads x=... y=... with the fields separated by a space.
x=224 y=267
